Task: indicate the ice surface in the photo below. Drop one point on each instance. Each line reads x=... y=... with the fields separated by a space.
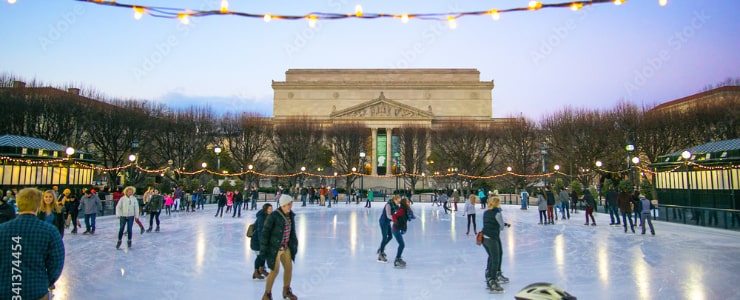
x=197 y=256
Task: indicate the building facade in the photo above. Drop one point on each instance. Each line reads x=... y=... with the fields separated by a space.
x=383 y=100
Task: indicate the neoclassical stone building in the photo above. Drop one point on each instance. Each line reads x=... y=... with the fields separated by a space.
x=383 y=100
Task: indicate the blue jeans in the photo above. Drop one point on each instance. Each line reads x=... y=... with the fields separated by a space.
x=524 y=202
x=399 y=238
x=565 y=209
x=493 y=248
x=385 y=234
x=614 y=213
x=303 y=199
x=90 y=222
x=237 y=209
x=125 y=221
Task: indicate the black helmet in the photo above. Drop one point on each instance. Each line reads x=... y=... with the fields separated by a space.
x=543 y=291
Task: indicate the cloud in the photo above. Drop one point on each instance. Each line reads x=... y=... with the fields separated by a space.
x=219 y=104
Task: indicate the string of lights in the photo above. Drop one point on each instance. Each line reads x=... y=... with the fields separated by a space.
x=185 y=14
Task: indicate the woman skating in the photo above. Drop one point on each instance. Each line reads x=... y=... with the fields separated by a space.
x=493 y=224
x=469 y=210
x=400 y=225
x=50 y=212
x=259 y=261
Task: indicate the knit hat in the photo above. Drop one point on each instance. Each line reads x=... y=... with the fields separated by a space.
x=285 y=199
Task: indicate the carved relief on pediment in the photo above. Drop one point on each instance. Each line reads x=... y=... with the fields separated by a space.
x=383 y=110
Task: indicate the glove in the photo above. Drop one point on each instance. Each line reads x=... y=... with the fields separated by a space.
x=507 y=224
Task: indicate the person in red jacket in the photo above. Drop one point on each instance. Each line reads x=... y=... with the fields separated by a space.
x=400 y=225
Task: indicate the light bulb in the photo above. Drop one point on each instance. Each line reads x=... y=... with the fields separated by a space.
x=184 y=19
x=405 y=18
x=495 y=15
x=138 y=12
x=576 y=6
x=663 y=2
x=267 y=18
x=534 y=5
x=312 y=21
x=451 y=22
x=358 y=10
x=619 y=2
x=224 y=6
x=11 y=1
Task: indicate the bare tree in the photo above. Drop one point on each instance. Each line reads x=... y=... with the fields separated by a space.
x=347 y=139
x=520 y=148
x=413 y=141
x=298 y=142
x=248 y=137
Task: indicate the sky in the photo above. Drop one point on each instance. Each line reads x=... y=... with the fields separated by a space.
x=540 y=61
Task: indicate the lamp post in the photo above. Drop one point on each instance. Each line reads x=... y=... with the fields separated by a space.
x=70 y=151
x=543 y=151
x=598 y=169
x=557 y=169
x=217 y=149
x=686 y=155
x=635 y=163
x=249 y=175
x=362 y=169
x=630 y=148
x=132 y=159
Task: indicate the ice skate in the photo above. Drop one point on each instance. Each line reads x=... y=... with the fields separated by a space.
x=288 y=294
x=382 y=258
x=128 y=244
x=500 y=278
x=263 y=271
x=149 y=230
x=157 y=230
x=118 y=244
x=257 y=276
x=267 y=296
x=399 y=263
x=494 y=287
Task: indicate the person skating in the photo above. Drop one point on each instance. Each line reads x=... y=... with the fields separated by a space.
x=126 y=210
x=550 y=205
x=90 y=206
x=493 y=224
x=590 y=206
x=400 y=225
x=72 y=207
x=7 y=212
x=645 y=208
x=370 y=198
x=384 y=221
x=611 y=201
x=155 y=208
x=238 y=199
x=445 y=199
x=625 y=207
x=542 y=207
x=565 y=203
x=51 y=212
x=259 y=261
x=221 y=200
x=469 y=210
x=280 y=244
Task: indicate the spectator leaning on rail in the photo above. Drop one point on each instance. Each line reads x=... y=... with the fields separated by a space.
x=33 y=251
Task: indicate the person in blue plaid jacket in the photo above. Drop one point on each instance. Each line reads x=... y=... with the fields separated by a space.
x=31 y=250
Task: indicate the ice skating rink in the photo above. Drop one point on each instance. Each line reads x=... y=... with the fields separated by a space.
x=197 y=256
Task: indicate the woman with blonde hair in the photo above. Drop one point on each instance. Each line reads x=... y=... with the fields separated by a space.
x=51 y=212
x=493 y=224
x=469 y=210
x=126 y=210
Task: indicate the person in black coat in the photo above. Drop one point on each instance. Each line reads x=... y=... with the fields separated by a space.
x=259 y=262
x=221 y=200
x=238 y=199
x=278 y=248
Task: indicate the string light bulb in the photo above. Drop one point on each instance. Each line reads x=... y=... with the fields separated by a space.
x=534 y=5
x=404 y=18
x=619 y=2
x=224 y=6
x=662 y=2
x=451 y=22
x=576 y=6
x=495 y=15
x=11 y=1
x=184 y=18
x=358 y=10
x=138 y=12
x=312 y=21
x=267 y=18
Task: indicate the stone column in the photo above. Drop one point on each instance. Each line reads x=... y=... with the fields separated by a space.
x=388 y=148
x=371 y=154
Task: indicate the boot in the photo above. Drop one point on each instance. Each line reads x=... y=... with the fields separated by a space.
x=128 y=243
x=382 y=258
x=142 y=229
x=157 y=230
x=288 y=293
x=149 y=230
x=500 y=278
x=118 y=244
x=399 y=263
x=494 y=287
x=257 y=275
x=267 y=296
x=263 y=271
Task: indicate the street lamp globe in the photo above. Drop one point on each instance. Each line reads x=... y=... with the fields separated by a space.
x=203 y=165
x=217 y=149
x=686 y=154
x=543 y=150
x=303 y=169
x=250 y=167
x=170 y=162
x=630 y=147
x=354 y=169
x=362 y=153
x=598 y=164
x=635 y=160
x=335 y=174
x=556 y=167
x=70 y=151
x=132 y=157
x=508 y=169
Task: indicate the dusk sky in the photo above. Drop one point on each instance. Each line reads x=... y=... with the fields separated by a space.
x=541 y=61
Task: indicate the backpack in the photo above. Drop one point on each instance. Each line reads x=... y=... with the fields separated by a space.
x=250 y=230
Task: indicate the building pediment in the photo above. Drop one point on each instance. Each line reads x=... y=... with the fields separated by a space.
x=382 y=108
